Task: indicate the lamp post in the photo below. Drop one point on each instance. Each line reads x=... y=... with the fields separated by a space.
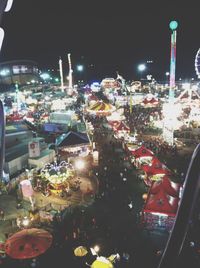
x=141 y=69
x=17 y=96
x=167 y=75
x=80 y=69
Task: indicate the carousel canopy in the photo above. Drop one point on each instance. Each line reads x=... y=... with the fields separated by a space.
x=163 y=197
x=101 y=106
x=72 y=138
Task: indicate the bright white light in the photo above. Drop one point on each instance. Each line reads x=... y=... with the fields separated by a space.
x=194 y=87
x=79 y=164
x=80 y=68
x=33 y=81
x=167 y=73
x=25 y=221
x=130 y=205
x=141 y=67
x=186 y=85
x=45 y=76
x=46 y=98
x=96 y=248
x=4 y=72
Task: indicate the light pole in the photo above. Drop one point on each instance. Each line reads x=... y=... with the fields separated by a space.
x=80 y=69
x=141 y=69
x=167 y=76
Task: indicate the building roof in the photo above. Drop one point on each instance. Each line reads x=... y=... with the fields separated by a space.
x=72 y=138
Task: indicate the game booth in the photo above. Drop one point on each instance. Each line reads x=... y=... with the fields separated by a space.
x=154 y=171
x=161 y=204
x=141 y=156
x=121 y=130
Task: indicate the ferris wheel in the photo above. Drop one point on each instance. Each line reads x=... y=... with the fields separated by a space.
x=197 y=63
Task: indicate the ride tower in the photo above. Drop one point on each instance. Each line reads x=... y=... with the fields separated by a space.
x=2 y=139
x=61 y=75
x=70 y=85
x=169 y=109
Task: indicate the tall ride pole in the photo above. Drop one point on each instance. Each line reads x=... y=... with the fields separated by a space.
x=173 y=26
x=169 y=110
x=2 y=139
x=61 y=74
x=70 y=73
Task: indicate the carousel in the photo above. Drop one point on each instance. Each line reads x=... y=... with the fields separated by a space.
x=55 y=179
x=100 y=108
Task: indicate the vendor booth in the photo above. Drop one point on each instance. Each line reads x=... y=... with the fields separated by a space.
x=142 y=156
x=73 y=144
x=161 y=204
x=155 y=170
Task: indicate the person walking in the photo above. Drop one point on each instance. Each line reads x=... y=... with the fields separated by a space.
x=2 y=214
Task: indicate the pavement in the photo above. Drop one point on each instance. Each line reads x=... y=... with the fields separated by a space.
x=9 y=203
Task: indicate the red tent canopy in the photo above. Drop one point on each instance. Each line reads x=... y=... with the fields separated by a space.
x=167 y=185
x=153 y=100
x=142 y=151
x=14 y=117
x=121 y=126
x=162 y=203
x=163 y=197
x=28 y=243
x=156 y=168
x=93 y=97
x=113 y=123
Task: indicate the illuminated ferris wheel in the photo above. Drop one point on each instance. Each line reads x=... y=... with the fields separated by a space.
x=197 y=63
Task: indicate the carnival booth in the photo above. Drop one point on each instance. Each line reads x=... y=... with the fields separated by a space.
x=73 y=144
x=161 y=204
x=92 y=99
x=100 y=108
x=116 y=116
x=149 y=101
x=14 y=117
x=29 y=117
x=155 y=171
x=142 y=156
x=121 y=130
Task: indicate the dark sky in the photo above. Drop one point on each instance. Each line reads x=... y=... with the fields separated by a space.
x=111 y=35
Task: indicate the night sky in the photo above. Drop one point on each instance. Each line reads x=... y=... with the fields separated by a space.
x=105 y=36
